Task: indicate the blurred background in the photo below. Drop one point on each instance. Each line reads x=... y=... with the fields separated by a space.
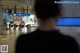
x=17 y=17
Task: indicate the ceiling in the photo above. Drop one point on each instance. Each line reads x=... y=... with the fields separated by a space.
x=71 y=10
x=18 y=3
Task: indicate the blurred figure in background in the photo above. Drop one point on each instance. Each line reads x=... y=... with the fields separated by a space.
x=46 y=39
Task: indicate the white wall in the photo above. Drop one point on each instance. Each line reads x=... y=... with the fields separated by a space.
x=71 y=10
x=71 y=31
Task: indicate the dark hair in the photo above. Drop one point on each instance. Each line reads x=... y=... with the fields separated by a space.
x=45 y=9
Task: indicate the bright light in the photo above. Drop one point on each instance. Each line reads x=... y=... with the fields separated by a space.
x=32 y=16
x=14 y=14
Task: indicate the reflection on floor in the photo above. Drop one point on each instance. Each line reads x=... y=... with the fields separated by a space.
x=9 y=38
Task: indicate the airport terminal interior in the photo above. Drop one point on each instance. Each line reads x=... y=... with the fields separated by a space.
x=17 y=17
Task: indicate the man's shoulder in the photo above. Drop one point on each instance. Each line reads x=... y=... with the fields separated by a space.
x=68 y=38
x=26 y=36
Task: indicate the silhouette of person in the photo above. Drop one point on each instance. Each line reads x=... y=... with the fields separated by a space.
x=46 y=39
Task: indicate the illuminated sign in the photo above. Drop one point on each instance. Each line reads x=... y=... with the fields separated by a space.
x=68 y=22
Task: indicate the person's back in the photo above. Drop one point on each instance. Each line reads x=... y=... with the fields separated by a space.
x=43 y=41
x=46 y=39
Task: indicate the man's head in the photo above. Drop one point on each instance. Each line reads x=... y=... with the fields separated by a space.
x=47 y=13
x=47 y=9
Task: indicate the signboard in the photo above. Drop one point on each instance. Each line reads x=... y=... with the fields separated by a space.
x=28 y=19
x=69 y=21
x=8 y=17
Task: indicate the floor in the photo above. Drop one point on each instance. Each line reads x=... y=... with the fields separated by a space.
x=9 y=38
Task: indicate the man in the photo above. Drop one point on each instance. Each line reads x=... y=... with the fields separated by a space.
x=46 y=39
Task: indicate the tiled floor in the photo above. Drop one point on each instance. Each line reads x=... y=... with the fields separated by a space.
x=9 y=38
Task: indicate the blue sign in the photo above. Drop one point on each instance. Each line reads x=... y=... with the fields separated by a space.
x=22 y=14
x=18 y=14
x=68 y=22
x=25 y=14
